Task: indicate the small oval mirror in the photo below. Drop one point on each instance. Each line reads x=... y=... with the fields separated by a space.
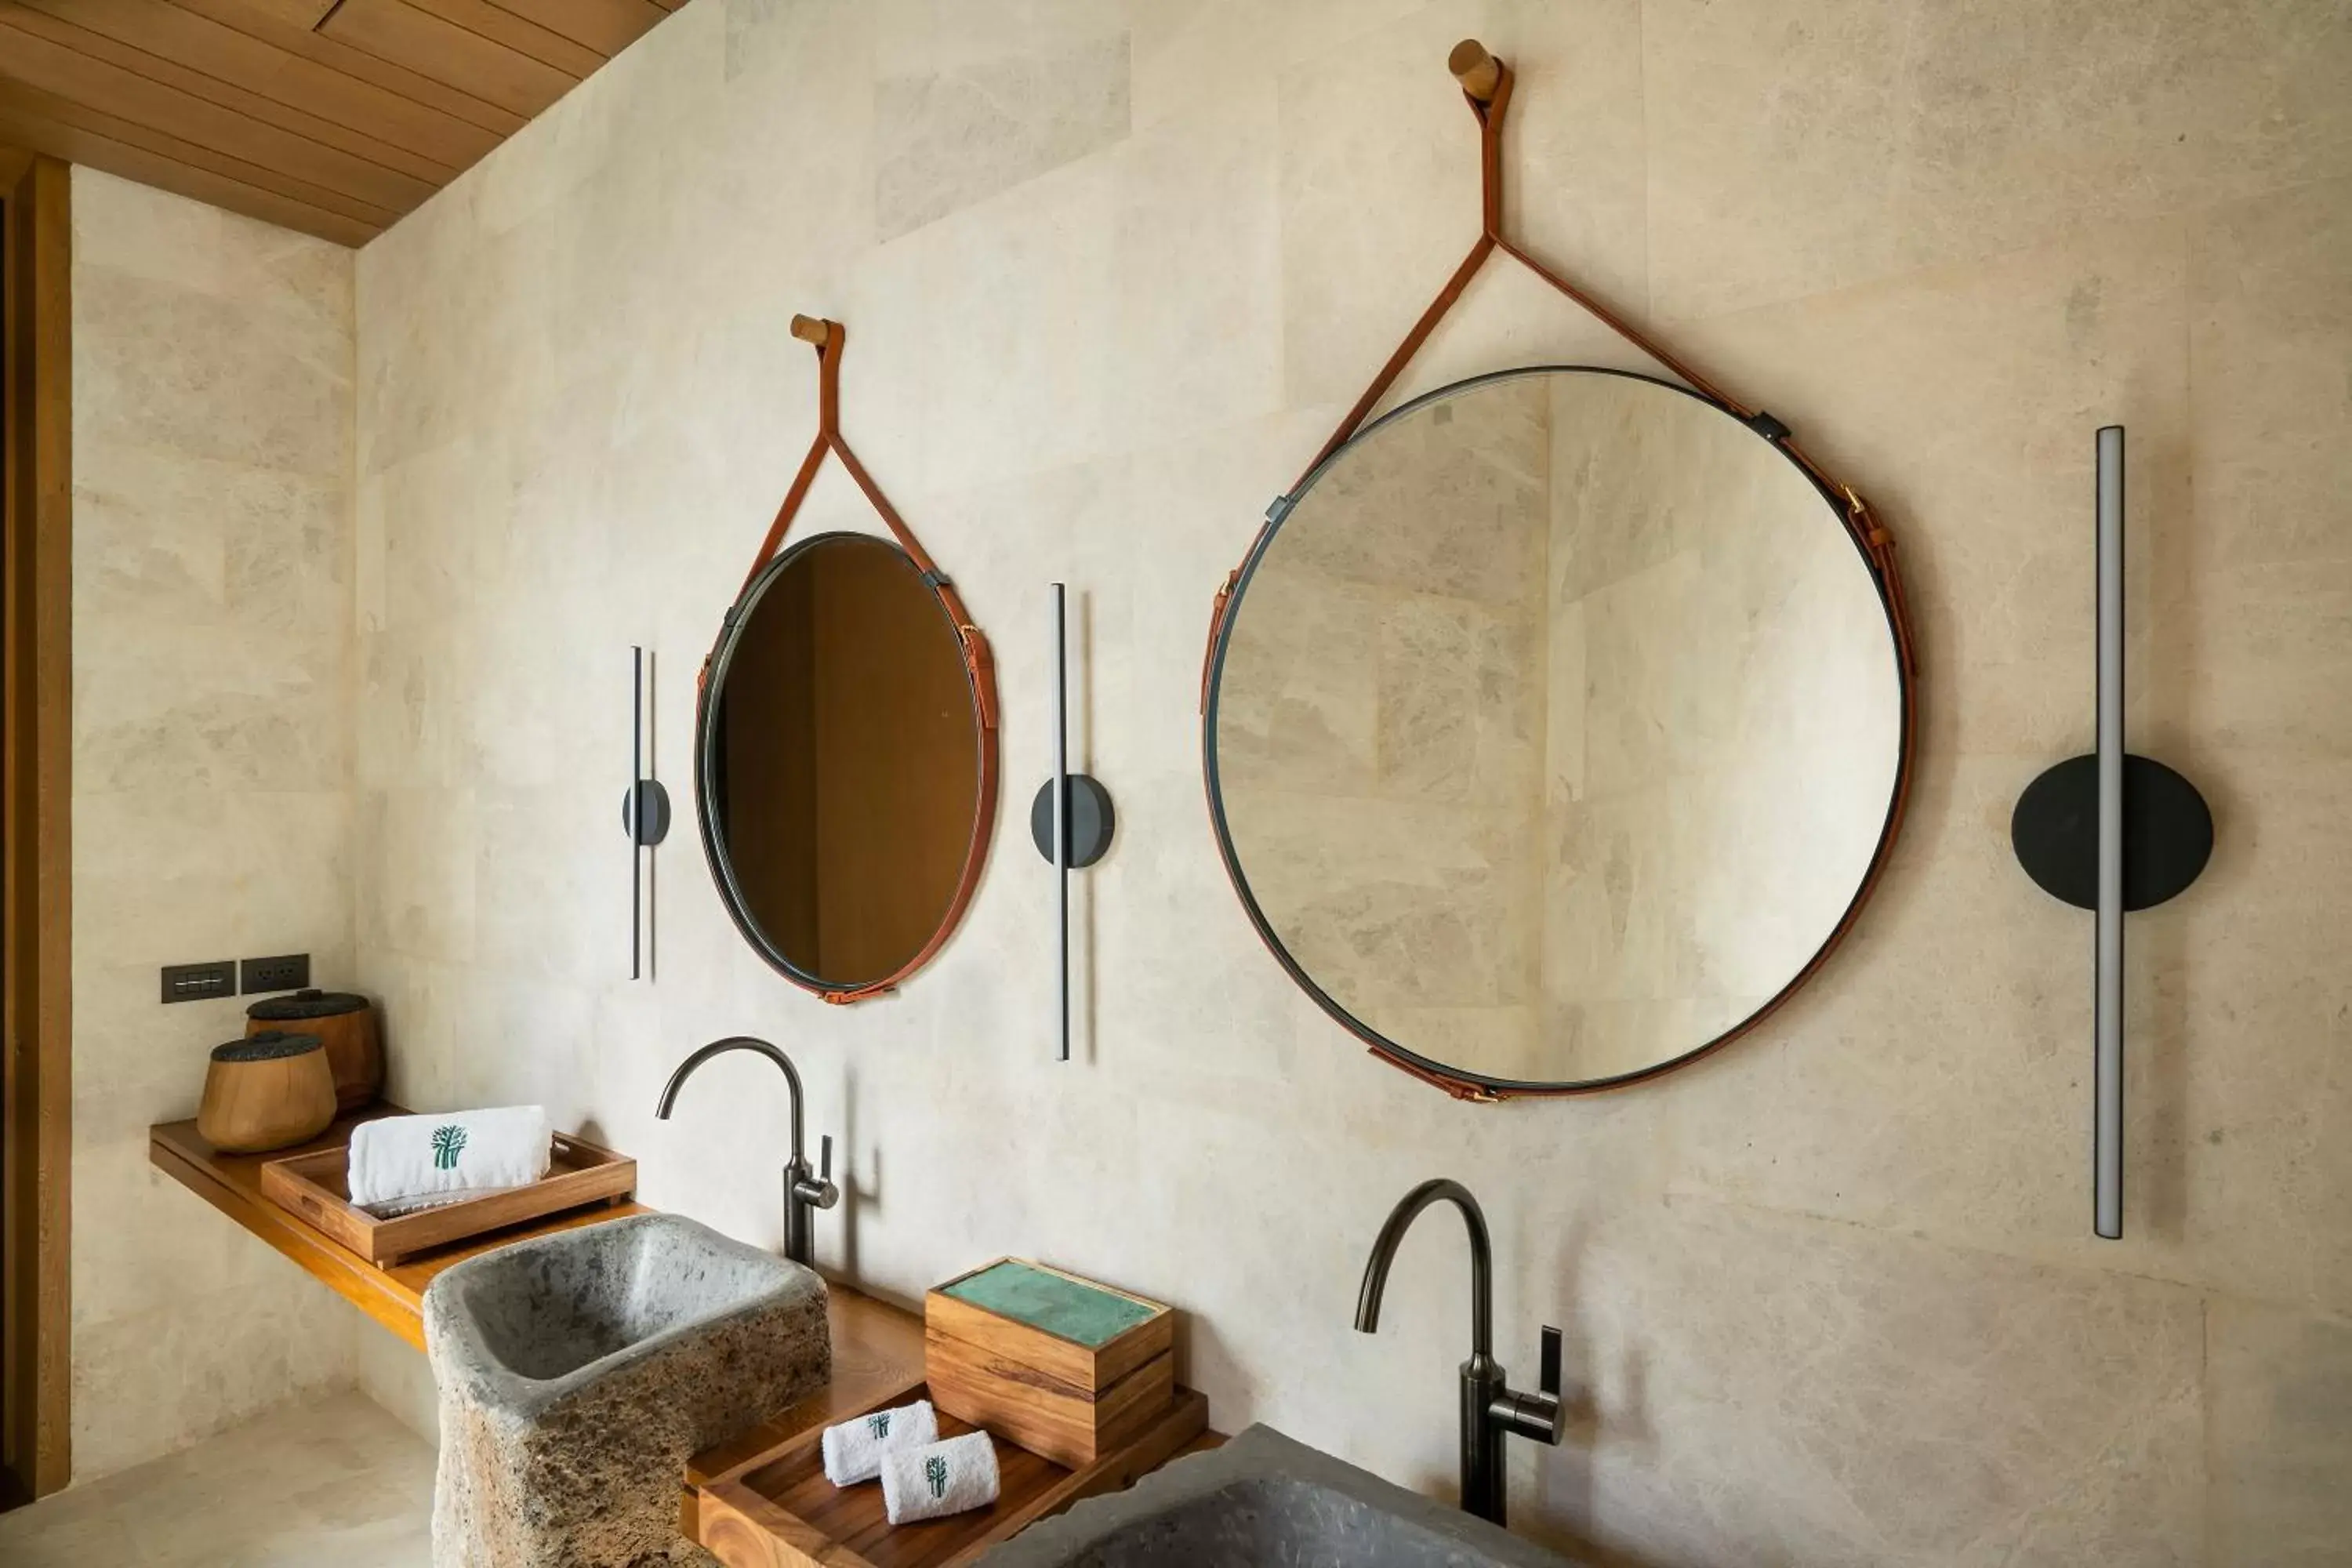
x=1555 y=730
x=843 y=764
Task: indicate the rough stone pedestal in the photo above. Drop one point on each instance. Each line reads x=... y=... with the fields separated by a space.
x=577 y=1373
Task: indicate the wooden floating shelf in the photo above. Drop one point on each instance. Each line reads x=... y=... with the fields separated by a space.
x=391 y=1293
x=777 y=1510
x=877 y=1361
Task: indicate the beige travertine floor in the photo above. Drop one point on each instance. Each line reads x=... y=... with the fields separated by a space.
x=338 y=1482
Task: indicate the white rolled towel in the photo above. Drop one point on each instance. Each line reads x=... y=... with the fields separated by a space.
x=853 y=1449
x=402 y=1163
x=939 y=1478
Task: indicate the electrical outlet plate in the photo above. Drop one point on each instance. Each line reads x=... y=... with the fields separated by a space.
x=288 y=972
x=199 y=981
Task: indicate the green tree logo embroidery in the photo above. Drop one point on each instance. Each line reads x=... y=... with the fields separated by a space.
x=935 y=1470
x=879 y=1425
x=448 y=1143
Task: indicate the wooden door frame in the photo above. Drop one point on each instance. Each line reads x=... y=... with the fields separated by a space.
x=36 y=806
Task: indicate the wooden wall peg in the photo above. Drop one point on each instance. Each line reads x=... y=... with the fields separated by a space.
x=1478 y=72
x=810 y=330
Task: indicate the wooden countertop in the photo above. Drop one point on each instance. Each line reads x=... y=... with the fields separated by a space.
x=878 y=1346
x=878 y=1351
x=392 y=1294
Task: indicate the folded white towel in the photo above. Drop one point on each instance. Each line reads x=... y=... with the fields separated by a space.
x=854 y=1450
x=939 y=1478
x=403 y=1162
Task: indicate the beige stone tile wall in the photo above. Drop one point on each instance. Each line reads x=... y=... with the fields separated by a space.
x=212 y=769
x=1111 y=270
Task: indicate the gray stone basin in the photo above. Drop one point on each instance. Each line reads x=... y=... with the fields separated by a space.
x=578 y=1371
x=1265 y=1499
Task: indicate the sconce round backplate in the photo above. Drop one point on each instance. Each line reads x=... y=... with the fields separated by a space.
x=2168 y=832
x=645 y=812
x=1091 y=822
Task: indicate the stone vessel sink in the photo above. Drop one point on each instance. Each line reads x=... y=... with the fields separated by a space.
x=1264 y=1500
x=578 y=1371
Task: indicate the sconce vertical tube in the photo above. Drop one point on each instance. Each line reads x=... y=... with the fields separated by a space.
x=636 y=806
x=1062 y=812
x=2107 y=1132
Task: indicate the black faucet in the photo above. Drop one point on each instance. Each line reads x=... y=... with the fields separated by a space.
x=804 y=1190
x=1489 y=1407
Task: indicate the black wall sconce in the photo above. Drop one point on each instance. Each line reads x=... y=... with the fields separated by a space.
x=645 y=812
x=1071 y=820
x=2111 y=832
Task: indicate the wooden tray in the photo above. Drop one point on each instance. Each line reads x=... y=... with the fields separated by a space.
x=314 y=1186
x=779 y=1512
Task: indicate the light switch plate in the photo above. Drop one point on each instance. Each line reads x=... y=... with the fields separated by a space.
x=199 y=981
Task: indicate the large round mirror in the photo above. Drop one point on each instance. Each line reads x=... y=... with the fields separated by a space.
x=845 y=777
x=1555 y=730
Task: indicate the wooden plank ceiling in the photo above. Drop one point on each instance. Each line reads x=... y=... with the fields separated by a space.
x=333 y=117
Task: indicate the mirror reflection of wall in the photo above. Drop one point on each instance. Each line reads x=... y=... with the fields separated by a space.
x=841 y=761
x=1556 y=727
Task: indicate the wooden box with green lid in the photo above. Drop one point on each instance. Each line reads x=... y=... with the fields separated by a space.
x=1067 y=1367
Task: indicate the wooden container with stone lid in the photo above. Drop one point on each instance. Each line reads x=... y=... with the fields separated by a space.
x=344 y=1022
x=269 y=1091
x=1067 y=1367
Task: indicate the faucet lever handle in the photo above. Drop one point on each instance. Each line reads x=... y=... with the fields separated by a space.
x=817 y=1192
x=1540 y=1415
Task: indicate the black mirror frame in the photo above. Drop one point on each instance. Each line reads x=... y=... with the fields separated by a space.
x=983 y=822
x=1461 y=1083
